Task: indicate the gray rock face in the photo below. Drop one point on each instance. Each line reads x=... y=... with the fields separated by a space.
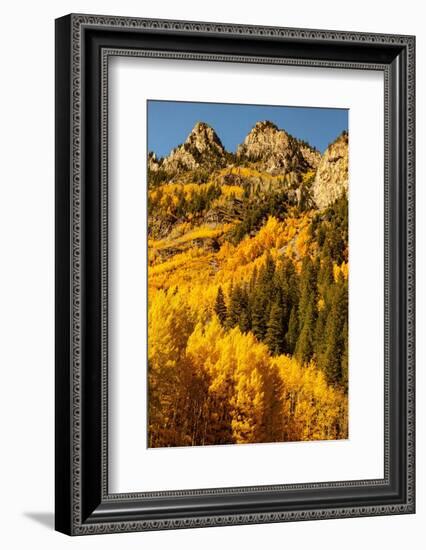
x=275 y=151
x=201 y=148
x=331 y=179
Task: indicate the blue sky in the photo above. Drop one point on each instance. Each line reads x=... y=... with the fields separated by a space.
x=170 y=122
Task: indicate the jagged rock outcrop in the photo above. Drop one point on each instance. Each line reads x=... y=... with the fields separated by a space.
x=331 y=179
x=153 y=163
x=202 y=148
x=312 y=156
x=267 y=149
x=272 y=150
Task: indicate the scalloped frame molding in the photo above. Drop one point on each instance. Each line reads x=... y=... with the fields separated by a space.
x=80 y=22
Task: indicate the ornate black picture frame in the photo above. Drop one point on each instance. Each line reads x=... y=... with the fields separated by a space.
x=84 y=44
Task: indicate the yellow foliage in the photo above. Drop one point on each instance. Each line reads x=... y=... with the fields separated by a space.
x=227 y=389
x=247 y=172
x=170 y=191
x=232 y=190
x=200 y=232
x=211 y=385
x=313 y=409
x=343 y=269
x=308 y=176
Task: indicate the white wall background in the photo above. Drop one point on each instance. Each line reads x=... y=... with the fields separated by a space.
x=27 y=262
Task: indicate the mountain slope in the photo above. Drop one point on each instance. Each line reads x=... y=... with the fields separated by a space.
x=247 y=291
x=331 y=179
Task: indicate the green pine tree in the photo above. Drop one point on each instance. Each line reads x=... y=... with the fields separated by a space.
x=293 y=331
x=305 y=343
x=334 y=346
x=260 y=298
x=239 y=309
x=269 y=269
x=259 y=317
x=244 y=321
x=307 y=311
x=234 y=307
x=275 y=334
x=319 y=344
x=289 y=282
x=325 y=273
x=345 y=358
x=220 y=306
x=308 y=286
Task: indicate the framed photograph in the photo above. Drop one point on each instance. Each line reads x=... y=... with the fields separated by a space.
x=234 y=274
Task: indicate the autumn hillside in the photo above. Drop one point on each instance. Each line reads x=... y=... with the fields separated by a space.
x=248 y=290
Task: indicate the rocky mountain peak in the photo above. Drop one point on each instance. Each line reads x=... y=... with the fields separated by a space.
x=331 y=179
x=153 y=163
x=276 y=151
x=202 y=148
x=204 y=138
x=265 y=131
x=263 y=125
x=266 y=148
